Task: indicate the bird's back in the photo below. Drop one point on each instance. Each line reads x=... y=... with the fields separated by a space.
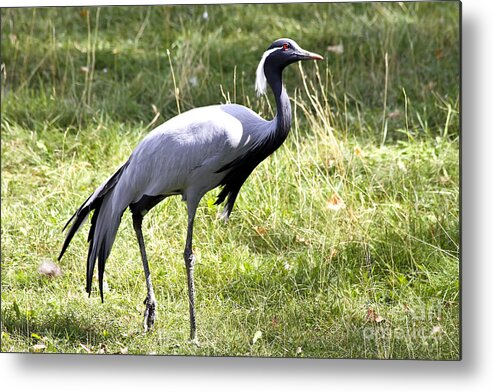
x=186 y=153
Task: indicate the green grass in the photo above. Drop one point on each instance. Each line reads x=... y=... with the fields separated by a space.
x=377 y=278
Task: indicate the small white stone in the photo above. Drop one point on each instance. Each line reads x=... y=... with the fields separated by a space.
x=49 y=268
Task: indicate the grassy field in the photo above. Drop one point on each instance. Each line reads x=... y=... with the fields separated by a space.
x=343 y=244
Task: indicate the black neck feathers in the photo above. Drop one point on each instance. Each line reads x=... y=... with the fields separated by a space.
x=282 y=119
x=241 y=168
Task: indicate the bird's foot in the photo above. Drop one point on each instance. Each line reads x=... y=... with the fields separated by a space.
x=150 y=313
x=195 y=342
x=193 y=337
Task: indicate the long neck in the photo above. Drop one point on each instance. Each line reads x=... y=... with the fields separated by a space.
x=282 y=120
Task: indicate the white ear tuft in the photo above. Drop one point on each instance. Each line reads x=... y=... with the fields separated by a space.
x=261 y=81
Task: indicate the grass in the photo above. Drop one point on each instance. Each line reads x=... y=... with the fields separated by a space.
x=343 y=244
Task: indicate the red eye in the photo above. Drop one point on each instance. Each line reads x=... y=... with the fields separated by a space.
x=285 y=46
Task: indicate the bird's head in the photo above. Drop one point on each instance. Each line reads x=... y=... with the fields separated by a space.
x=279 y=54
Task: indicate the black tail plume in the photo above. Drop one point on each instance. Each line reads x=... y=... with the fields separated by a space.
x=101 y=234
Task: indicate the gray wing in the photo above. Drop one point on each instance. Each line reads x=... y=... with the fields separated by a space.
x=189 y=153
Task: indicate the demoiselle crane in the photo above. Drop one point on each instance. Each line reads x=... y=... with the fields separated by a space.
x=188 y=155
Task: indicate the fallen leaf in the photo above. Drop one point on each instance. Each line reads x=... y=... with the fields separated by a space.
x=256 y=337
x=379 y=319
x=124 y=350
x=439 y=54
x=370 y=314
x=394 y=114
x=337 y=49
x=299 y=351
x=373 y=317
x=436 y=330
x=39 y=347
x=330 y=163
x=301 y=240
x=261 y=231
x=444 y=180
x=335 y=203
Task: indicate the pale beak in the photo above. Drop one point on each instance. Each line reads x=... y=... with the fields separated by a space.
x=306 y=55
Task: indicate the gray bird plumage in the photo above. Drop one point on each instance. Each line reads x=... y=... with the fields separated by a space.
x=189 y=155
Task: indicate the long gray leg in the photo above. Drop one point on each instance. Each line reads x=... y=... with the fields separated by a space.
x=150 y=301
x=189 y=263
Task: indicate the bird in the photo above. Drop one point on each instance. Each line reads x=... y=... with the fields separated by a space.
x=189 y=155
